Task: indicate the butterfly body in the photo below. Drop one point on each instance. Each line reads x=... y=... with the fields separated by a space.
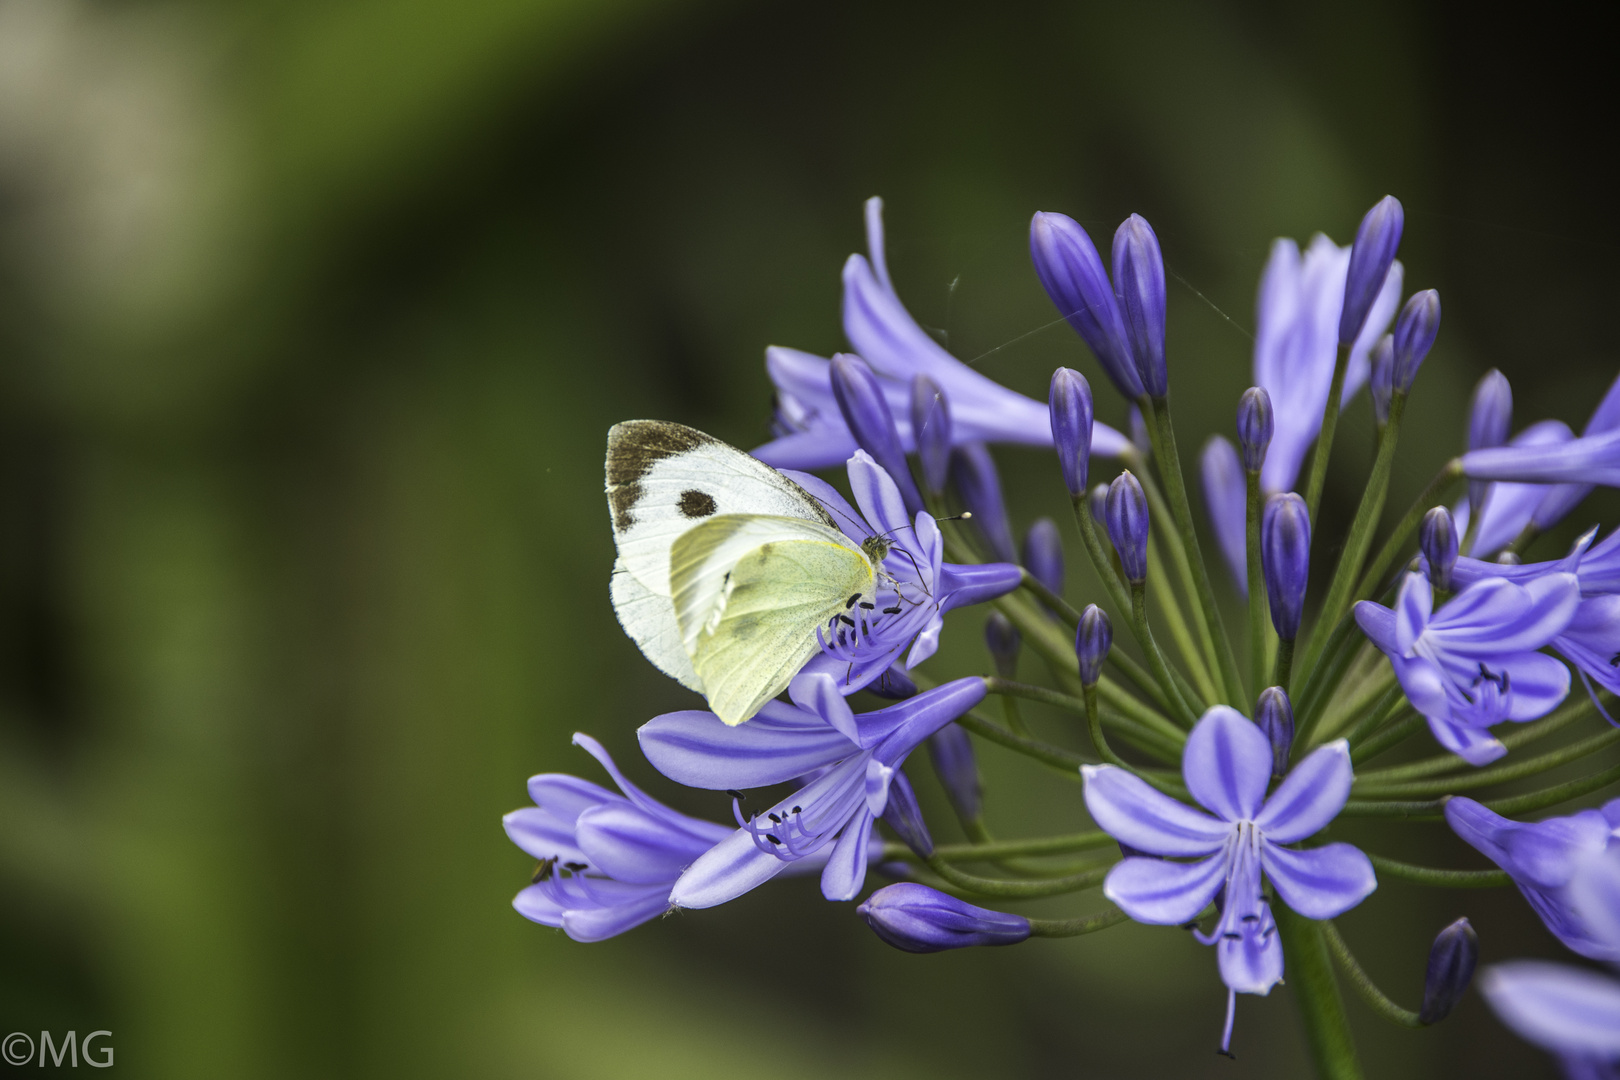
x=727 y=569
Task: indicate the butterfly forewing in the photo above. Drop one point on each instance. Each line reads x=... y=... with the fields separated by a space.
x=649 y=619
x=664 y=479
x=750 y=592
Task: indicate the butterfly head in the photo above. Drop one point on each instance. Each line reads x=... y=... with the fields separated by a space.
x=876 y=548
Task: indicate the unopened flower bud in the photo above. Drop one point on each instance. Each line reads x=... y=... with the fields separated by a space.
x=1415 y=330
x=1070 y=406
x=1285 y=556
x=918 y=919
x=974 y=472
x=1139 y=281
x=1274 y=713
x=1438 y=538
x=1091 y=643
x=904 y=816
x=866 y=412
x=951 y=752
x=1043 y=554
x=1126 y=516
x=1383 y=377
x=931 y=430
x=1255 y=424
x=1490 y=418
x=1370 y=258
x=1451 y=969
x=1004 y=641
x=1072 y=273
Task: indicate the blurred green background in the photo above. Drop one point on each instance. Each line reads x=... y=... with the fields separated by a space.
x=313 y=316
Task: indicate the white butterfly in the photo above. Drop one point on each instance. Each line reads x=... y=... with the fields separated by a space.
x=726 y=567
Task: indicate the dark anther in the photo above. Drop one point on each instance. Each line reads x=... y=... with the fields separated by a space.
x=577 y=866
x=1251 y=918
x=1232 y=937
x=1226 y=1053
x=851 y=601
x=892 y=610
x=543 y=871
x=1486 y=675
x=868 y=606
x=739 y=796
x=795 y=809
x=846 y=619
x=773 y=839
x=775 y=820
x=1614 y=661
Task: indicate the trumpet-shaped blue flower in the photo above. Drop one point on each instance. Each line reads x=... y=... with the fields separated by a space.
x=1296 y=344
x=607 y=861
x=811 y=432
x=1543 y=858
x=1227 y=765
x=916 y=587
x=847 y=763
x=1474 y=663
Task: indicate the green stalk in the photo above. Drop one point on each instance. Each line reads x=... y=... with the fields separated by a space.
x=1429 y=497
x=1155 y=658
x=1431 y=810
x=1526 y=734
x=1064 y=609
x=1324 y=439
x=1099 y=557
x=1008 y=889
x=1160 y=511
x=1445 y=879
x=1391 y=736
x=1377 y=716
x=1181 y=512
x=1094 y=726
x=1085 y=924
x=1285 y=662
x=1176 y=621
x=1361 y=532
x=1259 y=616
x=1321 y=1008
x=1005 y=849
x=1496 y=774
x=1364 y=985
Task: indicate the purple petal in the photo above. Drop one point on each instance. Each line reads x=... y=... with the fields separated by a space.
x=726 y=871
x=1412 y=610
x=1252 y=963
x=1319 y=883
x=782 y=742
x=1498 y=616
x=542 y=834
x=1226 y=497
x=631 y=845
x=1473 y=745
x=566 y=797
x=1378 y=623
x=1130 y=811
x=536 y=904
x=1311 y=796
x=1594 y=894
x=849 y=520
x=877 y=495
x=599 y=924
x=1539 y=684
x=1562 y=1009
x=1591 y=459
x=1165 y=893
x=1227 y=764
x=819 y=693
x=845 y=872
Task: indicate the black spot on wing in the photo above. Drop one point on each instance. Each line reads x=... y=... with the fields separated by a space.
x=696 y=504
x=636 y=446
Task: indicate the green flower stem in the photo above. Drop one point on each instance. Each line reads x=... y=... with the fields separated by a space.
x=1429 y=497
x=1155 y=658
x=1160 y=511
x=1362 y=528
x=1377 y=716
x=1007 y=889
x=1112 y=585
x=1139 y=677
x=1094 y=726
x=1064 y=761
x=1260 y=628
x=1085 y=924
x=1310 y=701
x=1364 y=985
x=1445 y=879
x=1181 y=512
x=1377 y=691
x=1321 y=1008
x=1389 y=737
x=1324 y=438
x=1526 y=734
x=1285 y=662
x=1008 y=849
x=1064 y=609
x=1057 y=699
x=1497 y=774
x=1159 y=584
x=1430 y=810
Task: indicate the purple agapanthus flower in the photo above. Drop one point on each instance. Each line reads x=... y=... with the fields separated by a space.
x=1542 y=859
x=811 y=433
x=1296 y=345
x=1226 y=498
x=607 y=861
x=1474 y=663
x=915 y=591
x=1560 y=471
x=1568 y=1011
x=1506 y=507
x=846 y=764
x=1227 y=766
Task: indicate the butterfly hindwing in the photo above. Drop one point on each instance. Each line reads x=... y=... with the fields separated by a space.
x=663 y=479
x=750 y=592
x=649 y=619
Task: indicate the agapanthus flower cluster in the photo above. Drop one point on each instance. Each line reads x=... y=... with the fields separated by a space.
x=1215 y=763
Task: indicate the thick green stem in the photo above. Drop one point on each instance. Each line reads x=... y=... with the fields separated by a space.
x=1361 y=532
x=1159 y=583
x=1007 y=849
x=1285 y=662
x=1061 y=607
x=1324 y=438
x=1155 y=658
x=1445 y=879
x=1429 y=497
x=1374 y=997
x=1085 y=924
x=1260 y=628
x=1321 y=1008
x=1181 y=511
x=1160 y=511
x=1008 y=889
